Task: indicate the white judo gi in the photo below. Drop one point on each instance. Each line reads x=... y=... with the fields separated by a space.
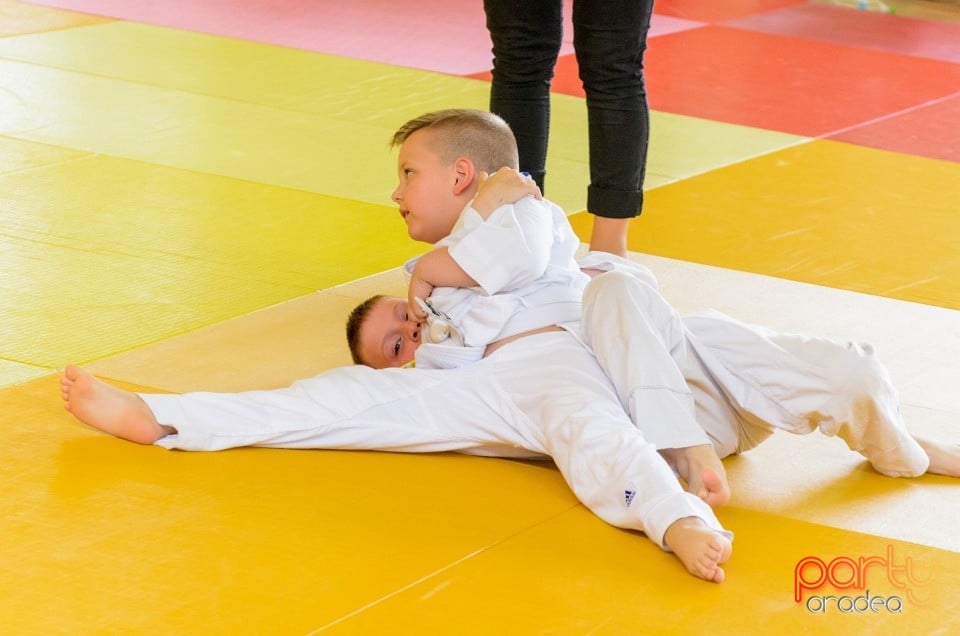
x=539 y=396
x=745 y=381
x=706 y=379
x=522 y=258
x=547 y=395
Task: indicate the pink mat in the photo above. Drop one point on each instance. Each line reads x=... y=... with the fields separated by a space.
x=930 y=130
x=432 y=34
x=863 y=29
x=795 y=85
x=447 y=36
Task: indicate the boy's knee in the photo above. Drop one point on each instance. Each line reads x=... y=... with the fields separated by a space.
x=612 y=282
x=622 y=288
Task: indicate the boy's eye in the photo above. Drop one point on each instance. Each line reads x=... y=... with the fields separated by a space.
x=396 y=348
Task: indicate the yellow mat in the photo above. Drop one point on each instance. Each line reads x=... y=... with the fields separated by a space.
x=571 y=575
x=151 y=252
x=15 y=373
x=313 y=131
x=169 y=214
x=820 y=481
x=17 y=155
x=271 y=348
x=104 y=536
x=193 y=132
x=112 y=536
x=823 y=212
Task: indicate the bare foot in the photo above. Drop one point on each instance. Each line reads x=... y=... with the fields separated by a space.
x=711 y=487
x=703 y=472
x=699 y=548
x=944 y=458
x=109 y=409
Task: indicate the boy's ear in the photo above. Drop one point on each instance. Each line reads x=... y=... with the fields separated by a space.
x=465 y=173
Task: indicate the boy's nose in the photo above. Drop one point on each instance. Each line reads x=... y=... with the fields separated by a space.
x=413 y=330
x=395 y=197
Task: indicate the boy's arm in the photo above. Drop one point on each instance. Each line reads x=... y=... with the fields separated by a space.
x=436 y=268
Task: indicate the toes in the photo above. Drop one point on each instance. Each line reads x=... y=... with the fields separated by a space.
x=712 y=480
x=710 y=571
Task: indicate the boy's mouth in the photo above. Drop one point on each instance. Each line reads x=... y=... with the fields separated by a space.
x=404 y=213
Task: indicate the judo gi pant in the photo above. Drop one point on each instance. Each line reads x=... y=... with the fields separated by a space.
x=744 y=381
x=542 y=395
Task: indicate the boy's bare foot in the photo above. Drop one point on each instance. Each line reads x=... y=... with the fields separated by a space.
x=944 y=458
x=703 y=472
x=109 y=409
x=701 y=549
x=711 y=487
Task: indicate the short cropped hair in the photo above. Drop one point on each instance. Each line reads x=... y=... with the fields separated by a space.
x=355 y=321
x=482 y=137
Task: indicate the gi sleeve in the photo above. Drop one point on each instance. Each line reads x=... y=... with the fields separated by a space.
x=508 y=250
x=350 y=408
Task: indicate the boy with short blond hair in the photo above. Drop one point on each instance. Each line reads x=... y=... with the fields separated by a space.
x=749 y=380
x=503 y=266
x=494 y=407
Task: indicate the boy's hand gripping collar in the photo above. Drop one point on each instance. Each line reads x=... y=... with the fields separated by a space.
x=439 y=325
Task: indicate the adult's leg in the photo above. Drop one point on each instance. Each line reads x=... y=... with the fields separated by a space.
x=610 y=38
x=526 y=39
